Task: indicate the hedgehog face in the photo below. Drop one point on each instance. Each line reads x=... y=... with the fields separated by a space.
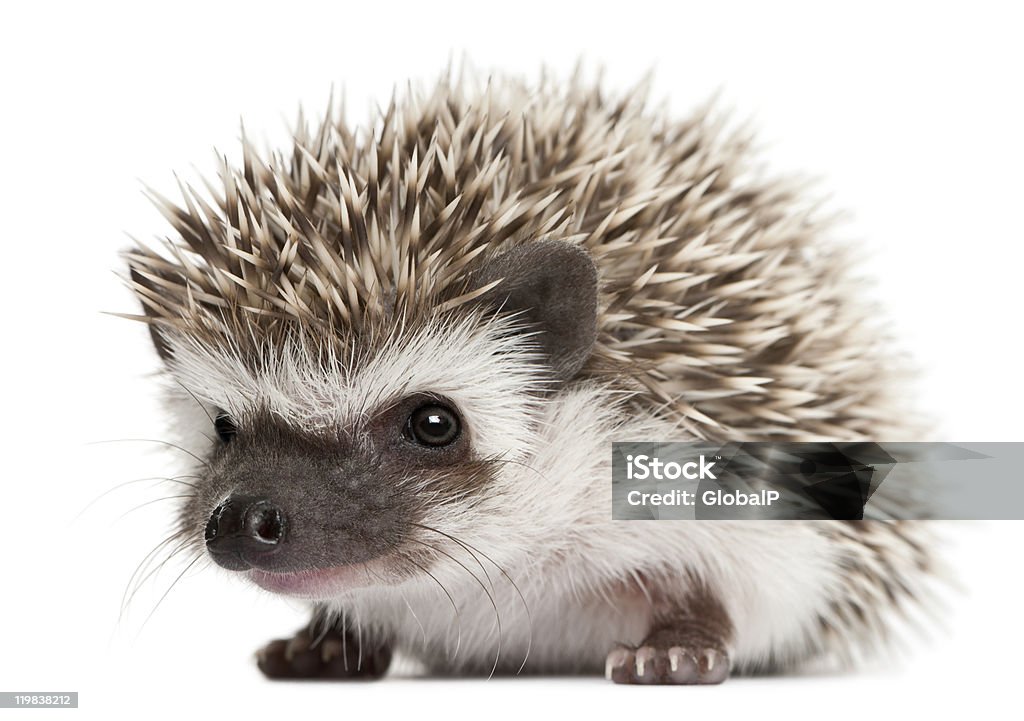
x=326 y=466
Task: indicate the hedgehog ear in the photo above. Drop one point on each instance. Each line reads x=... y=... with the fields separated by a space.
x=154 y=332
x=552 y=286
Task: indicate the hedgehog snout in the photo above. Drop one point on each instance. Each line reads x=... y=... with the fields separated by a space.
x=243 y=530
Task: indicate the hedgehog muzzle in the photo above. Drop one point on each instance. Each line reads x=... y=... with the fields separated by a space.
x=243 y=530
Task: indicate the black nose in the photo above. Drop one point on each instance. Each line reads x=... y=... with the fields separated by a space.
x=243 y=529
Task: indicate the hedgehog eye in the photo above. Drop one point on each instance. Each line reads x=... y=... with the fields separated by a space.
x=433 y=425
x=226 y=427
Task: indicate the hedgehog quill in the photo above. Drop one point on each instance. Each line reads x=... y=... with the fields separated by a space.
x=402 y=353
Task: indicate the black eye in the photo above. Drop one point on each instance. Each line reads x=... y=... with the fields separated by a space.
x=433 y=425
x=226 y=428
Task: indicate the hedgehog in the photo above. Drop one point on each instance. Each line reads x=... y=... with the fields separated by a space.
x=399 y=355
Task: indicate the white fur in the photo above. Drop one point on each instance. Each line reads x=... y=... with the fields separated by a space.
x=482 y=367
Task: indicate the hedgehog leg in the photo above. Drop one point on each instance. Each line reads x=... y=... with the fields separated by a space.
x=331 y=653
x=685 y=646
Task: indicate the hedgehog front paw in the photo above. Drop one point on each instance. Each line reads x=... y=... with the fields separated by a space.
x=331 y=655
x=650 y=664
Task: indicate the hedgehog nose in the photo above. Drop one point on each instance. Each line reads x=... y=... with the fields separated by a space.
x=242 y=530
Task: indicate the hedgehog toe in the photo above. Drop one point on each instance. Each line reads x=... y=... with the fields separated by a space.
x=333 y=655
x=676 y=665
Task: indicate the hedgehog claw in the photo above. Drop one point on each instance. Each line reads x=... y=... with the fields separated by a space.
x=680 y=665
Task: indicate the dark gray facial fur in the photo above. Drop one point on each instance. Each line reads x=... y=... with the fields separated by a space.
x=343 y=498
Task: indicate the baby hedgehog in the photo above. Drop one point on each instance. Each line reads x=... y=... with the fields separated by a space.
x=404 y=352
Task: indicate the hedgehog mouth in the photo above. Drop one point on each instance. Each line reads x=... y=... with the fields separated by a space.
x=319 y=583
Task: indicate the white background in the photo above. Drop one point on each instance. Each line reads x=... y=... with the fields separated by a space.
x=911 y=115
